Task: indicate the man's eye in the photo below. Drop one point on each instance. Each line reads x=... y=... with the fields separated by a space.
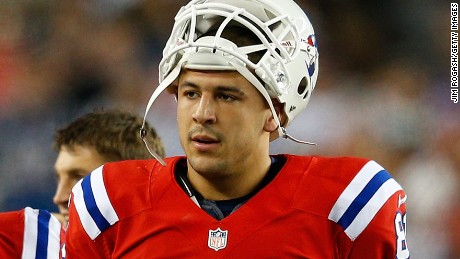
x=227 y=97
x=191 y=94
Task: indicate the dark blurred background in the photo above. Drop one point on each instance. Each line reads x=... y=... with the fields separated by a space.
x=383 y=93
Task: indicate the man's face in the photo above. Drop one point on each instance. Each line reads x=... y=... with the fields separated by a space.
x=221 y=120
x=72 y=164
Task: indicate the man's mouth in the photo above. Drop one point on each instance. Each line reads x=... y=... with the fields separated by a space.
x=205 y=143
x=205 y=139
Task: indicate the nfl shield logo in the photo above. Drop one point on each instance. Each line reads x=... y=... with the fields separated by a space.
x=217 y=239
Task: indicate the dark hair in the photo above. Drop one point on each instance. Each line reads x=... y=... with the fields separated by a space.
x=113 y=134
x=241 y=36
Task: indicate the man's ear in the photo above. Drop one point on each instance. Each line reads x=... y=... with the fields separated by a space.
x=173 y=89
x=270 y=124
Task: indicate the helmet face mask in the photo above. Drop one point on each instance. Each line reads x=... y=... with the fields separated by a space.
x=282 y=39
x=288 y=65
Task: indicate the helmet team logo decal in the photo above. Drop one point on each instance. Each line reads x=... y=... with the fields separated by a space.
x=312 y=53
x=217 y=239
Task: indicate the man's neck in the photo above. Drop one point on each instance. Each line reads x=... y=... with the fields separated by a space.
x=231 y=185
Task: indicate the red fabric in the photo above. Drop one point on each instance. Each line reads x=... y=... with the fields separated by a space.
x=11 y=234
x=287 y=218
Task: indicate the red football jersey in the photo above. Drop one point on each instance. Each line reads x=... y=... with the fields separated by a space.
x=315 y=207
x=29 y=233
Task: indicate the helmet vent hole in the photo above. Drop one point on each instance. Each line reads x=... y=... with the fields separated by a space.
x=302 y=86
x=306 y=94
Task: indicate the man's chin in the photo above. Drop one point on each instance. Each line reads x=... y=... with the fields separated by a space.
x=207 y=166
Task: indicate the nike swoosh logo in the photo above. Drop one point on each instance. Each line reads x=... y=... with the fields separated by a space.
x=402 y=200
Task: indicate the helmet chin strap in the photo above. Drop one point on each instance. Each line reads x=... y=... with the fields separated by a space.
x=287 y=136
x=282 y=132
x=164 y=84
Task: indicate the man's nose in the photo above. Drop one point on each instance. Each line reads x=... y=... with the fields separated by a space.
x=61 y=196
x=205 y=111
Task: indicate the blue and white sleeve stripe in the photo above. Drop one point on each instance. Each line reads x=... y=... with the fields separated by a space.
x=93 y=205
x=41 y=235
x=362 y=199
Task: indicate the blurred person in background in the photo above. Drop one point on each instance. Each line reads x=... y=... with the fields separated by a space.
x=83 y=145
x=92 y=140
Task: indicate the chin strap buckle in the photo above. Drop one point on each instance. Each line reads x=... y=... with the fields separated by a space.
x=143 y=134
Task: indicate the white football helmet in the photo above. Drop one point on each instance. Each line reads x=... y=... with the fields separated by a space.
x=288 y=67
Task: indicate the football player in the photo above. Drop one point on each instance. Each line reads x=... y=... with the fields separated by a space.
x=94 y=139
x=241 y=71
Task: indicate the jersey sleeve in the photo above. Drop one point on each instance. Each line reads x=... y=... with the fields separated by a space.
x=385 y=236
x=372 y=212
x=29 y=233
x=90 y=213
x=42 y=234
x=111 y=193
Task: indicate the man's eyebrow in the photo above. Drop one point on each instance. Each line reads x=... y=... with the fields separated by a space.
x=188 y=83
x=74 y=171
x=230 y=89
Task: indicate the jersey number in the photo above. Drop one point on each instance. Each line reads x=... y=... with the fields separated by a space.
x=400 y=225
